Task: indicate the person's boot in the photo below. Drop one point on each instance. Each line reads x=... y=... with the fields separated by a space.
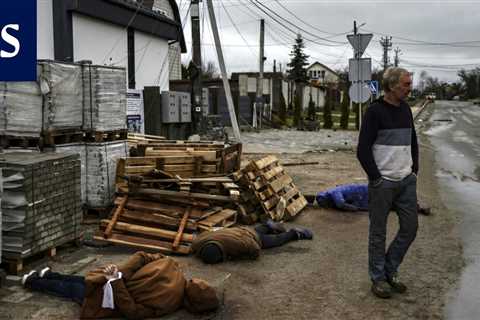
x=303 y=233
x=396 y=285
x=382 y=289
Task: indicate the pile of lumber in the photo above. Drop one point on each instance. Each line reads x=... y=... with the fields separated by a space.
x=208 y=157
x=161 y=212
x=270 y=186
x=135 y=138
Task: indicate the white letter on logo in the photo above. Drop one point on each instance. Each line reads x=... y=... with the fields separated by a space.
x=10 y=40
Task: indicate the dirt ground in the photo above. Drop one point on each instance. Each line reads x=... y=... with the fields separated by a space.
x=325 y=278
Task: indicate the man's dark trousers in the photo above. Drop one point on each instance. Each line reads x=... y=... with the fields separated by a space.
x=400 y=196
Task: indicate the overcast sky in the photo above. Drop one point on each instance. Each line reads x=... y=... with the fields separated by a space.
x=439 y=37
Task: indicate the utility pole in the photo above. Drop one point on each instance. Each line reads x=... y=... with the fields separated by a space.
x=397 y=59
x=197 y=62
x=386 y=43
x=259 y=102
x=221 y=62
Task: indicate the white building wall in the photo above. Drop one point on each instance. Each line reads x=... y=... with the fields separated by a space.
x=151 y=61
x=101 y=42
x=45 y=48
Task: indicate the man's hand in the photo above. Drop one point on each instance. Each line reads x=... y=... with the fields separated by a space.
x=111 y=272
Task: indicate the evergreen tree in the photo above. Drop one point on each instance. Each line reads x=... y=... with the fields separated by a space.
x=298 y=73
x=345 y=111
x=297 y=66
x=327 y=110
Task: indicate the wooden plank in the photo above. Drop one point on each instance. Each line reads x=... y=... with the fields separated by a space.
x=133 y=161
x=155 y=207
x=230 y=185
x=272 y=202
x=202 y=214
x=176 y=242
x=215 y=219
x=290 y=194
x=179 y=194
x=272 y=173
x=296 y=206
x=280 y=183
x=138 y=242
x=178 y=167
x=206 y=155
x=116 y=214
x=155 y=232
x=154 y=218
x=264 y=195
x=265 y=162
x=178 y=160
x=138 y=169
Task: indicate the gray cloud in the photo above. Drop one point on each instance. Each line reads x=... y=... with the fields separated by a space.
x=428 y=21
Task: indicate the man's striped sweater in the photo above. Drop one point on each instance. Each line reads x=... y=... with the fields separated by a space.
x=387 y=145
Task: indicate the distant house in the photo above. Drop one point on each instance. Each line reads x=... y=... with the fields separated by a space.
x=321 y=74
x=144 y=37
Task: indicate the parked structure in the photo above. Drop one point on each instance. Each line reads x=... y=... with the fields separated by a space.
x=145 y=39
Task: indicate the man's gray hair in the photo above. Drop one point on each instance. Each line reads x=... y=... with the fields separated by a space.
x=391 y=77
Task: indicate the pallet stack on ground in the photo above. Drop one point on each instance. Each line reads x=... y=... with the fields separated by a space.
x=68 y=103
x=41 y=203
x=273 y=188
x=192 y=159
x=164 y=213
x=104 y=99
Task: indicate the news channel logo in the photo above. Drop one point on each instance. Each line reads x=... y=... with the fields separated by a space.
x=18 y=40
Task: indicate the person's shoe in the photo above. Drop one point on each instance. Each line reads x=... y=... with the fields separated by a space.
x=276 y=227
x=396 y=285
x=303 y=233
x=26 y=276
x=382 y=289
x=44 y=271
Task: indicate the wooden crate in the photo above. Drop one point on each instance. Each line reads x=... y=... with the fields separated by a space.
x=272 y=185
x=222 y=219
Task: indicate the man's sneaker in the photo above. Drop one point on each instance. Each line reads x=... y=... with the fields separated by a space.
x=396 y=285
x=43 y=272
x=275 y=227
x=26 y=276
x=303 y=233
x=382 y=289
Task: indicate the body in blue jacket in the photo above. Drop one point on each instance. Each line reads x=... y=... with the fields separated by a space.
x=351 y=197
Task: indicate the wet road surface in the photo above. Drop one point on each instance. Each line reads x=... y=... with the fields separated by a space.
x=455 y=135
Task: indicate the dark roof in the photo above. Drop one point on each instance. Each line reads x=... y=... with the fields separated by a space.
x=158 y=16
x=321 y=64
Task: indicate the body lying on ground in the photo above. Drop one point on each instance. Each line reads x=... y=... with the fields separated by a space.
x=145 y=286
x=351 y=197
x=244 y=242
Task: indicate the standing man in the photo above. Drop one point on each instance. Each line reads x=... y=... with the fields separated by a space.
x=388 y=152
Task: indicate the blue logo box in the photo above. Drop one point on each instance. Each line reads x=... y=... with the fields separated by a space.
x=18 y=40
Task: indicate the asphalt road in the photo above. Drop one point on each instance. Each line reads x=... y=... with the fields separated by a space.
x=455 y=135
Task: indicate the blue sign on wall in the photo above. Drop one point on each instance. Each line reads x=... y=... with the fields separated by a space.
x=18 y=40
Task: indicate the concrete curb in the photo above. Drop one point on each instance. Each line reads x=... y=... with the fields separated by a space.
x=424 y=104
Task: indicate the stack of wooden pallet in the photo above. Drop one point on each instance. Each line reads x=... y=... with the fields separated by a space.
x=164 y=213
x=187 y=159
x=272 y=187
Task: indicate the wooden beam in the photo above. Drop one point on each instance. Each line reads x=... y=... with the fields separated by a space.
x=156 y=232
x=143 y=243
x=179 y=194
x=116 y=214
x=176 y=242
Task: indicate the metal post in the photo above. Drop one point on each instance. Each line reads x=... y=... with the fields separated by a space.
x=259 y=99
x=197 y=61
x=221 y=62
